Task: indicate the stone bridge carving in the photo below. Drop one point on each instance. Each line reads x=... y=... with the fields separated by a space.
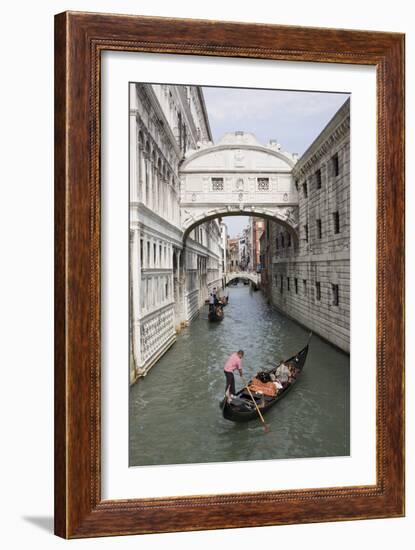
x=238 y=176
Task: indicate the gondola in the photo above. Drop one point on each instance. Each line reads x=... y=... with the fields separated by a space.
x=241 y=408
x=216 y=315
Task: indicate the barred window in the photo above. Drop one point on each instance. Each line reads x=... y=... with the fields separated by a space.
x=318 y=179
x=335 y=164
x=335 y=294
x=217 y=184
x=336 y=222
x=318 y=222
x=263 y=184
x=318 y=291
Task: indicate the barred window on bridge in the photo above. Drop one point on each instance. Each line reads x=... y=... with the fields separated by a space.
x=217 y=184
x=263 y=184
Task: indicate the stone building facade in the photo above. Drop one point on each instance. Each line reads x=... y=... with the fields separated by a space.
x=310 y=282
x=256 y=228
x=232 y=255
x=244 y=250
x=169 y=275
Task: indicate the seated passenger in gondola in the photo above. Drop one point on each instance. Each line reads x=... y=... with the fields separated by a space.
x=293 y=374
x=283 y=373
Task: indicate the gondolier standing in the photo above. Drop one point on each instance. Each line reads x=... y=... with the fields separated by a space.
x=234 y=362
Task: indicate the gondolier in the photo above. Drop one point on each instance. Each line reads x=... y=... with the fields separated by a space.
x=233 y=363
x=261 y=393
x=211 y=302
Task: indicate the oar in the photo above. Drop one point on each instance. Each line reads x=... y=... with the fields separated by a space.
x=266 y=427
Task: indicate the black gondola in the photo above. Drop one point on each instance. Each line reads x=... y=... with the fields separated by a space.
x=216 y=314
x=241 y=408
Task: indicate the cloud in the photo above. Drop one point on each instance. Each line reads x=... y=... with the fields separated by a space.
x=295 y=118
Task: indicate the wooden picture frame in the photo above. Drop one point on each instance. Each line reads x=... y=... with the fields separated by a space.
x=79 y=40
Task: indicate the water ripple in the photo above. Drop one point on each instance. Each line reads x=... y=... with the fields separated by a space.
x=174 y=411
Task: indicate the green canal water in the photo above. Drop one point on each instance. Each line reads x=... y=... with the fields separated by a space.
x=174 y=411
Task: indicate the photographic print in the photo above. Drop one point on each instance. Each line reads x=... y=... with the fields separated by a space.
x=239 y=274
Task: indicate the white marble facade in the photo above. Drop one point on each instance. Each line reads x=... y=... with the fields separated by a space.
x=169 y=279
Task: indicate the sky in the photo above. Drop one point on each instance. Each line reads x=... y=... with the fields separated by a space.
x=293 y=118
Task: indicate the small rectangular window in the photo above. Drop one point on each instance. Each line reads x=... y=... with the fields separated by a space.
x=336 y=222
x=217 y=184
x=318 y=179
x=305 y=287
x=263 y=184
x=335 y=164
x=306 y=232
x=288 y=239
x=318 y=291
x=305 y=190
x=154 y=253
x=281 y=285
x=335 y=294
x=318 y=222
x=288 y=283
x=296 y=285
x=277 y=243
x=282 y=241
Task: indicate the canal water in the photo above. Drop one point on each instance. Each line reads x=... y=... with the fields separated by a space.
x=174 y=411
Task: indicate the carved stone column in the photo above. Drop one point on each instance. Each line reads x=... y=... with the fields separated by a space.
x=143 y=177
x=134 y=167
x=135 y=292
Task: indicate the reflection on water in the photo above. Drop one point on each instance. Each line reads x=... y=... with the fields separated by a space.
x=174 y=411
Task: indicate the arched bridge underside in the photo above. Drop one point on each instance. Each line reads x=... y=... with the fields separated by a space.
x=248 y=275
x=286 y=216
